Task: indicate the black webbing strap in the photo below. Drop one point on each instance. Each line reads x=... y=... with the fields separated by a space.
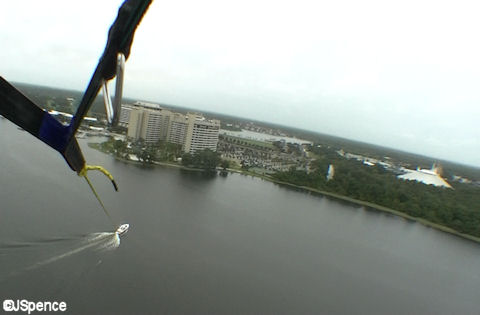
x=120 y=37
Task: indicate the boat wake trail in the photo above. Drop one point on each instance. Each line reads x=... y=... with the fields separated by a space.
x=96 y=241
x=21 y=257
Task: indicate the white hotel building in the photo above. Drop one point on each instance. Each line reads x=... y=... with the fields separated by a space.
x=201 y=134
x=150 y=125
x=153 y=123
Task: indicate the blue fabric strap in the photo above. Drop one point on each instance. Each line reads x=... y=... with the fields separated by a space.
x=53 y=133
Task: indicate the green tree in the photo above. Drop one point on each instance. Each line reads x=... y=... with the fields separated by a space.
x=187 y=159
x=225 y=164
x=206 y=159
x=119 y=147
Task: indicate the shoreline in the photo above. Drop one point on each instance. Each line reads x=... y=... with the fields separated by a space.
x=366 y=204
x=380 y=208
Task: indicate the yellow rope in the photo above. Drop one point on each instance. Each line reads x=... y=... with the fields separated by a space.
x=87 y=168
x=99 y=200
x=83 y=173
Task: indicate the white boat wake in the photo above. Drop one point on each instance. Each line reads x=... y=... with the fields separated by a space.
x=97 y=241
x=22 y=254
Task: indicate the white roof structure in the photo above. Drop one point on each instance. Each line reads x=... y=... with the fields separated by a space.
x=428 y=177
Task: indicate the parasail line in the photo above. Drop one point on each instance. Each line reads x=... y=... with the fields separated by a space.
x=99 y=200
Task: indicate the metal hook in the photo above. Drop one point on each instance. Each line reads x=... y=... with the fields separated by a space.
x=113 y=110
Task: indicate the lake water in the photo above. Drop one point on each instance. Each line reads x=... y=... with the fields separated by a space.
x=203 y=244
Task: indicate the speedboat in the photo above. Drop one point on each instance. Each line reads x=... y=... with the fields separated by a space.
x=122 y=229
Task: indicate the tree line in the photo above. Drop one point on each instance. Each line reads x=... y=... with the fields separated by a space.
x=163 y=151
x=457 y=208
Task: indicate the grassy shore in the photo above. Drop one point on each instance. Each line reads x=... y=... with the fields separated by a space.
x=322 y=192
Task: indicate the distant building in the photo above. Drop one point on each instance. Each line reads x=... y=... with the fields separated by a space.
x=135 y=124
x=461 y=179
x=428 y=177
x=150 y=125
x=201 y=134
x=147 y=105
x=330 y=172
x=126 y=109
x=178 y=129
x=125 y=115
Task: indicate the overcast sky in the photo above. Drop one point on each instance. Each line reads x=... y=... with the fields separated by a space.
x=403 y=74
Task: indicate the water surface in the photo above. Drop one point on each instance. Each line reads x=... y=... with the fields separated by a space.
x=201 y=244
